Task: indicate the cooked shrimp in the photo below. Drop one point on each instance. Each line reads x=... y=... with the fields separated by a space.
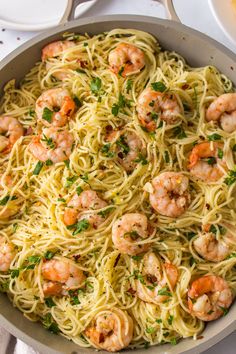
x=212 y=249
x=51 y=288
x=87 y=200
x=7 y=253
x=223 y=109
x=55 y=107
x=126 y=59
x=12 y=129
x=128 y=231
x=54 y=145
x=210 y=170
x=156 y=277
x=170 y=195
x=61 y=272
x=152 y=105
x=209 y=297
x=129 y=148
x=55 y=48
x=111 y=330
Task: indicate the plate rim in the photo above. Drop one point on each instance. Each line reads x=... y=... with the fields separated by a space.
x=218 y=18
x=42 y=26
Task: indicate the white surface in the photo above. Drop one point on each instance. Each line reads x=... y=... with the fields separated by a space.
x=28 y=15
x=225 y=15
x=194 y=13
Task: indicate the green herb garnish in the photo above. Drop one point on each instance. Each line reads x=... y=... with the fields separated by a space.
x=49 y=302
x=80 y=226
x=70 y=181
x=7 y=199
x=141 y=159
x=96 y=85
x=104 y=213
x=214 y=137
x=231 y=179
x=129 y=85
x=47 y=115
x=159 y=86
x=179 y=132
x=79 y=190
x=38 y=168
x=164 y=291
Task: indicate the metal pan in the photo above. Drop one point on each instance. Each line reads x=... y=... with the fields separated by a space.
x=199 y=50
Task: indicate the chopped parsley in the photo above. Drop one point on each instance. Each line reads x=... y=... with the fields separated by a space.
x=159 y=86
x=77 y=101
x=106 y=150
x=38 y=168
x=48 y=141
x=6 y=199
x=74 y=300
x=50 y=324
x=104 y=213
x=14 y=273
x=61 y=200
x=173 y=341
x=211 y=160
x=67 y=163
x=231 y=179
x=170 y=319
x=214 y=137
x=121 y=71
x=179 y=133
x=85 y=177
x=96 y=85
x=164 y=291
x=129 y=85
x=132 y=234
x=117 y=106
x=213 y=229
x=220 y=153
x=141 y=159
x=137 y=258
x=15 y=227
x=232 y=255
x=225 y=310
x=31 y=112
x=123 y=145
x=80 y=226
x=49 y=255
x=79 y=190
x=49 y=302
x=47 y=115
x=48 y=162
x=190 y=234
x=70 y=181
x=150 y=330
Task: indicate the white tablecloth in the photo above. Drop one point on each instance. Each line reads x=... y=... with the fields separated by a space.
x=194 y=13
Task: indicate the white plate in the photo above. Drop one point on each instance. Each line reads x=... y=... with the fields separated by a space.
x=35 y=15
x=225 y=15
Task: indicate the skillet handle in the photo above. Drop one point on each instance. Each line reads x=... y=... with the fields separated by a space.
x=69 y=13
x=170 y=10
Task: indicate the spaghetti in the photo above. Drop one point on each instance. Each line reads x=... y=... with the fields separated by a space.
x=36 y=192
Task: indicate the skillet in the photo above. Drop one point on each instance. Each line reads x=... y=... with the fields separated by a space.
x=198 y=50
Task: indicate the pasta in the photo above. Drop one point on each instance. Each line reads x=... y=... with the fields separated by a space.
x=42 y=217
